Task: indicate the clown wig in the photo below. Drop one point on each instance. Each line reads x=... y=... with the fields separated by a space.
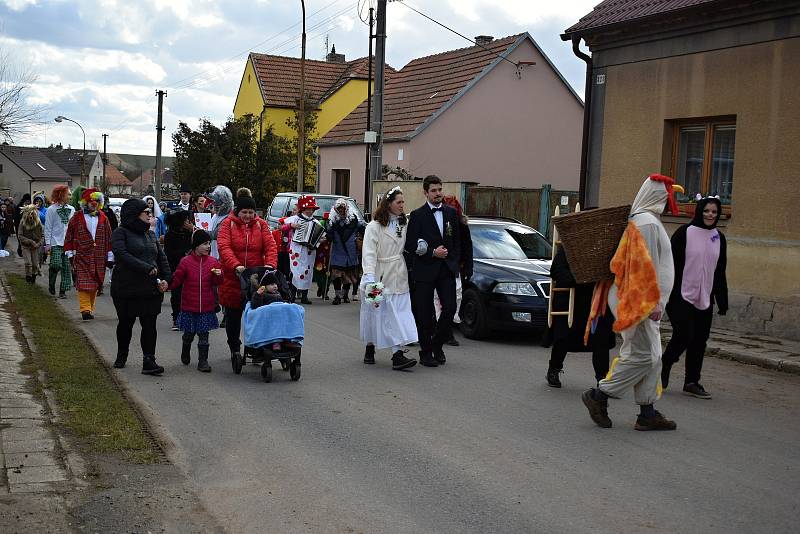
x=60 y=194
x=92 y=194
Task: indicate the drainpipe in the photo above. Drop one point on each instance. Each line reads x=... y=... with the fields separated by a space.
x=587 y=109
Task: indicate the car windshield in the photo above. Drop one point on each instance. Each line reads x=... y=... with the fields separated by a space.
x=513 y=242
x=326 y=205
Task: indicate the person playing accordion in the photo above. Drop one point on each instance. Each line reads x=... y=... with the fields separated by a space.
x=302 y=254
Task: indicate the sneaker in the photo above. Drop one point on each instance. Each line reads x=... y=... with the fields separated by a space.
x=552 y=378
x=51 y=290
x=657 y=422
x=696 y=390
x=369 y=355
x=336 y=300
x=598 y=410
x=174 y=326
x=86 y=316
x=400 y=362
x=62 y=295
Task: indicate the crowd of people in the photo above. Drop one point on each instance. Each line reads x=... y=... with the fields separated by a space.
x=407 y=268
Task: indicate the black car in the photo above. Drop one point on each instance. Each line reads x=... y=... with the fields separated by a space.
x=510 y=285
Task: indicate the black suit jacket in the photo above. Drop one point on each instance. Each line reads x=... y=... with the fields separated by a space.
x=422 y=225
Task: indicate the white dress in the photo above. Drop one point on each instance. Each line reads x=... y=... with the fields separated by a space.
x=301 y=259
x=392 y=323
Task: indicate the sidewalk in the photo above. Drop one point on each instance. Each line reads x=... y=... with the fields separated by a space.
x=764 y=351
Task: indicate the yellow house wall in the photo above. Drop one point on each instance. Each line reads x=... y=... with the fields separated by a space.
x=756 y=83
x=340 y=104
x=249 y=99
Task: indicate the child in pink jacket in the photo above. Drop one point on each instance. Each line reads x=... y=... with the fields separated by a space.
x=198 y=273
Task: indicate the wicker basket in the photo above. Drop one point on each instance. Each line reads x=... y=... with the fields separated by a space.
x=590 y=240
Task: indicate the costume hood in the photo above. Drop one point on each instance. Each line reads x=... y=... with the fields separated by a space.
x=656 y=191
x=41 y=197
x=30 y=217
x=129 y=215
x=334 y=216
x=156 y=208
x=697 y=220
x=223 y=200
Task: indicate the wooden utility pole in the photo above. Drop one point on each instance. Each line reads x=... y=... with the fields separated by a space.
x=376 y=152
x=367 y=184
x=301 y=115
x=105 y=162
x=159 y=128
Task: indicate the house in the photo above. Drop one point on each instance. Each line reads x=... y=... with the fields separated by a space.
x=25 y=170
x=143 y=184
x=498 y=113
x=705 y=91
x=270 y=90
x=117 y=184
x=72 y=161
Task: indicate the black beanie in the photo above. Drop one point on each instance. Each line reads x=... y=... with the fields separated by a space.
x=199 y=237
x=269 y=278
x=244 y=203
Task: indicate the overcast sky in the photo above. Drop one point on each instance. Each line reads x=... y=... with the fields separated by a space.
x=100 y=62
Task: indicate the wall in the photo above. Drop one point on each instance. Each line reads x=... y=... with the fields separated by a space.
x=506 y=131
x=13 y=178
x=249 y=99
x=339 y=105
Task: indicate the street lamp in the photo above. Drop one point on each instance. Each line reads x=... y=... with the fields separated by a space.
x=83 y=157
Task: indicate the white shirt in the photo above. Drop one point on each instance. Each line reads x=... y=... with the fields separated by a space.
x=91 y=225
x=439 y=216
x=183 y=206
x=54 y=229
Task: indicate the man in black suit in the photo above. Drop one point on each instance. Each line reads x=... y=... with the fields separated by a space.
x=433 y=246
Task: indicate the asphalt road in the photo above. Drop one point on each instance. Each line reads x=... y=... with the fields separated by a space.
x=479 y=445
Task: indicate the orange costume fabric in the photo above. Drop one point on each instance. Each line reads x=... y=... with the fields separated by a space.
x=635 y=278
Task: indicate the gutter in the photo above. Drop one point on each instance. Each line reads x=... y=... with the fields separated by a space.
x=587 y=110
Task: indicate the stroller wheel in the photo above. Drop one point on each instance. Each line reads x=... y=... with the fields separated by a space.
x=237 y=360
x=284 y=365
x=294 y=370
x=266 y=372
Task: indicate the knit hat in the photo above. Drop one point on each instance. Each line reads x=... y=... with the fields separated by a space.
x=244 y=203
x=269 y=278
x=199 y=237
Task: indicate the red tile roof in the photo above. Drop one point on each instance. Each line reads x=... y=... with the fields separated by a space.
x=279 y=77
x=612 y=12
x=115 y=177
x=420 y=89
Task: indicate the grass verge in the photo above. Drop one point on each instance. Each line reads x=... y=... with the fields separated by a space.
x=91 y=404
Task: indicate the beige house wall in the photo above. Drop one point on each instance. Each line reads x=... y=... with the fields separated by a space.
x=756 y=83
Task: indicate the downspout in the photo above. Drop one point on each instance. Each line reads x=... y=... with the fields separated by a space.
x=587 y=109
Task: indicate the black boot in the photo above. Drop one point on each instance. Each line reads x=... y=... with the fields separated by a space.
x=426 y=359
x=369 y=355
x=202 y=359
x=336 y=300
x=119 y=363
x=400 y=362
x=552 y=378
x=186 y=353
x=304 y=297
x=29 y=278
x=150 y=367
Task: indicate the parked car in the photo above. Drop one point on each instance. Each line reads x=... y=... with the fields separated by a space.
x=283 y=204
x=510 y=285
x=116 y=204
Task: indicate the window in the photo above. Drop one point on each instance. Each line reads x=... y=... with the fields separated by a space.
x=511 y=242
x=341 y=182
x=702 y=157
x=278 y=207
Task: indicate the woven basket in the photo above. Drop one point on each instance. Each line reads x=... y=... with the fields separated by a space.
x=590 y=240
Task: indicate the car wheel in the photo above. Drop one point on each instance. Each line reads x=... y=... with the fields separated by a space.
x=473 y=316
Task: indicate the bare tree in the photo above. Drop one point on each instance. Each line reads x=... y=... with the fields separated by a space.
x=17 y=116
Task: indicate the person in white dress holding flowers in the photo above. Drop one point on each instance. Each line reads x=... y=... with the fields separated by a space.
x=386 y=319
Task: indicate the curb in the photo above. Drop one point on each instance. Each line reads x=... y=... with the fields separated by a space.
x=785 y=366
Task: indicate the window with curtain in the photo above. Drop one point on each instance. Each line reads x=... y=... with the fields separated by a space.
x=703 y=155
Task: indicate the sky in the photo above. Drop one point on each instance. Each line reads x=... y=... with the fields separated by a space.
x=99 y=62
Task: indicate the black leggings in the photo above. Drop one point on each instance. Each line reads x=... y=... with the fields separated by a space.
x=599 y=358
x=147 y=339
x=233 y=325
x=690 y=331
x=337 y=285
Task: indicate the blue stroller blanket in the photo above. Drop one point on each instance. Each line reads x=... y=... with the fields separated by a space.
x=274 y=322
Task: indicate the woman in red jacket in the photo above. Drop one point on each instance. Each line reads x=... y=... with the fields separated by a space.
x=197 y=275
x=244 y=241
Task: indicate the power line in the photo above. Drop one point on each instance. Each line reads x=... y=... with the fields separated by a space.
x=455 y=32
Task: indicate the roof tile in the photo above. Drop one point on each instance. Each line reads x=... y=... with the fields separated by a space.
x=621 y=11
x=34 y=162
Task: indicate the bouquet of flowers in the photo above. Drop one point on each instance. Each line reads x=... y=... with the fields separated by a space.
x=373 y=293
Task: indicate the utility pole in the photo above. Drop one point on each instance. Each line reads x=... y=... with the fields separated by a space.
x=376 y=152
x=301 y=116
x=159 y=128
x=105 y=162
x=367 y=188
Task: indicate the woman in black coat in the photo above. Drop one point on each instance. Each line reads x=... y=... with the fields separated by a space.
x=699 y=253
x=570 y=338
x=141 y=275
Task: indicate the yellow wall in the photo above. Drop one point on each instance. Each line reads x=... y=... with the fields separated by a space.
x=249 y=99
x=756 y=83
x=340 y=104
x=277 y=117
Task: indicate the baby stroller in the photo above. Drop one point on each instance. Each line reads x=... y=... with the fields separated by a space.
x=255 y=347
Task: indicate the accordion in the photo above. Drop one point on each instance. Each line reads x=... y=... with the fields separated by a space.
x=309 y=234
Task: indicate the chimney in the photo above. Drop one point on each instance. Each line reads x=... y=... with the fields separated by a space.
x=333 y=57
x=483 y=40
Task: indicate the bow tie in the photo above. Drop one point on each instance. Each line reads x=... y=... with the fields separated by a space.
x=434 y=210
